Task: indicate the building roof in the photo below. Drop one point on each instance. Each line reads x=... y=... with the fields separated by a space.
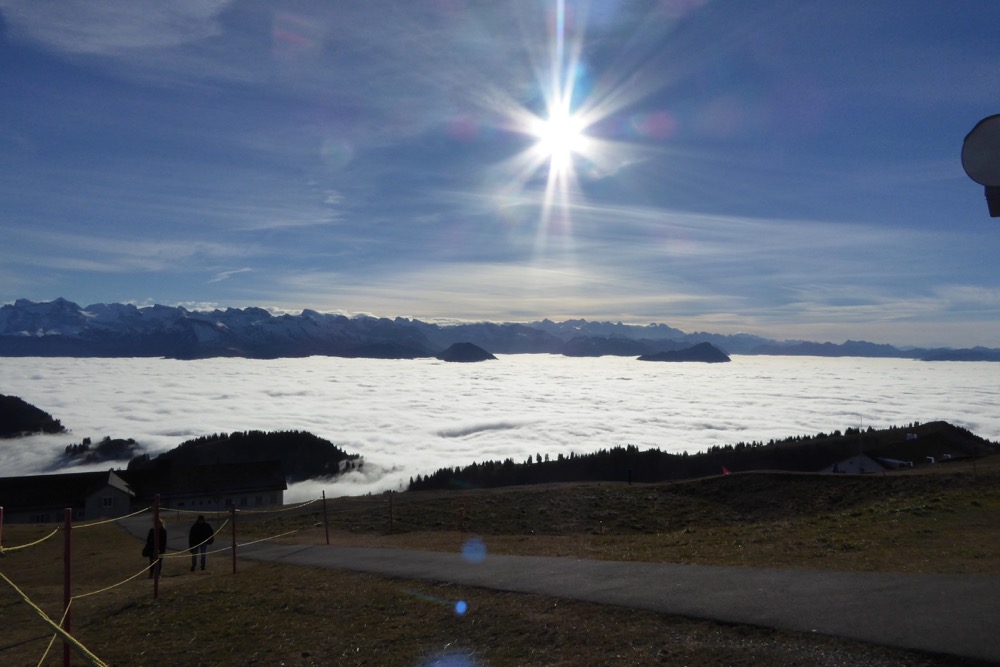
x=48 y=491
x=855 y=465
x=205 y=480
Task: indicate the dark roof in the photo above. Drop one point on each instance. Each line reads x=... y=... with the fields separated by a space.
x=47 y=491
x=215 y=479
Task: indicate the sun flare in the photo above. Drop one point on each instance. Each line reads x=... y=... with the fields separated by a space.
x=560 y=137
x=562 y=123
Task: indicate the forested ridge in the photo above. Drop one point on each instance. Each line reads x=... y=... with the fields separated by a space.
x=302 y=454
x=18 y=417
x=912 y=443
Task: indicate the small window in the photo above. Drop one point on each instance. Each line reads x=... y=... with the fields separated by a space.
x=259 y=500
x=243 y=501
x=108 y=501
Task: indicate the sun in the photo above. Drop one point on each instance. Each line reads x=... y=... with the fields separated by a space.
x=560 y=137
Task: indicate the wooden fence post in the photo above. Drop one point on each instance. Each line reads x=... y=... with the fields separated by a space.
x=232 y=518
x=156 y=547
x=326 y=521
x=67 y=580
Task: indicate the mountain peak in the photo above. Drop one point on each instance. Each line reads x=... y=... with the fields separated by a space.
x=62 y=328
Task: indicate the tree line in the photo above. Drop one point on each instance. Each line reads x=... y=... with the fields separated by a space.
x=800 y=453
x=303 y=455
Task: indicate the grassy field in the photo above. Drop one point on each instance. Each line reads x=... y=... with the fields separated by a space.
x=940 y=519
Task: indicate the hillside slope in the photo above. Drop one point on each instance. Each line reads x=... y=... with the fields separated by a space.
x=18 y=417
x=913 y=443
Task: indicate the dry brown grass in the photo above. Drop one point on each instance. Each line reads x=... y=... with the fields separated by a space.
x=270 y=614
x=942 y=519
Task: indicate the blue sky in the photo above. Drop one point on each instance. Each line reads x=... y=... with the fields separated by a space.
x=786 y=168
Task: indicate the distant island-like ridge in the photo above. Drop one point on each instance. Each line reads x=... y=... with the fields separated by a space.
x=465 y=352
x=703 y=352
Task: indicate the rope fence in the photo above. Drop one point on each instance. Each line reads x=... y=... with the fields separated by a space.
x=80 y=596
x=283 y=509
x=114 y=520
x=75 y=645
x=4 y=549
x=383 y=511
x=269 y=537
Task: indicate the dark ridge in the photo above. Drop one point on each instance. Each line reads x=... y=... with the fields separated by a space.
x=108 y=449
x=913 y=444
x=302 y=454
x=703 y=352
x=465 y=352
x=18 y=418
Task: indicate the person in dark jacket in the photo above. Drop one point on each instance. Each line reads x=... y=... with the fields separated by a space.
x=155 y=560
x=199 y=537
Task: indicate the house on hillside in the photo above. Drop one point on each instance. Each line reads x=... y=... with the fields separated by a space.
x=44 y=498
x=894 y=464
x=858 y=464
x=210 y=487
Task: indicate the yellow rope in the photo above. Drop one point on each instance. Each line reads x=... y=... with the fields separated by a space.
x=212 y=538
x=359 y=509
x=178 y=554
x=265 y=539
x=104 y=521
x=120 y=583
x=219 y=550
x=178 y=510
x=48 y=648
x=79 y=648
x=224 y=524
x=283 y=509
x=62 y=622
x=30 y=544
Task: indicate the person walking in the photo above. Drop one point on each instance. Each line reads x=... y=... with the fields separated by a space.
x=155 y=559
x=199 y=537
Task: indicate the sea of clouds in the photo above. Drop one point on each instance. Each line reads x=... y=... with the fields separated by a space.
x=409 y=417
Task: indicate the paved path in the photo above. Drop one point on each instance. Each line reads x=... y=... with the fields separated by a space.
x=954 y=614
x=951 y=614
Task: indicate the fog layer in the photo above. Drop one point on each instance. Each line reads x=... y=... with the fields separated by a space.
x=415 y=416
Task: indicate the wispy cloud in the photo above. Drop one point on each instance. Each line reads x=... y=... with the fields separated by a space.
x=226 y=275
x=115 y=27
x=112 y=254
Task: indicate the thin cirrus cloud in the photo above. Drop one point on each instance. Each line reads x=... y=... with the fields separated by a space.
x=413 y=417
x=115 y=254
x=116 y=27
x=226 y=275
x=714 y=251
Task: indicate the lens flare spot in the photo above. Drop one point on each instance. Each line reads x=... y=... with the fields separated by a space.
x=474 y=550
x=656 y=125
x=450 y=660
x=336 y=153
x=461 y=607
x=463 y=128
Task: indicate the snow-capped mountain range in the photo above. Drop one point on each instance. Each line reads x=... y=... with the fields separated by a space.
x=63 y=328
